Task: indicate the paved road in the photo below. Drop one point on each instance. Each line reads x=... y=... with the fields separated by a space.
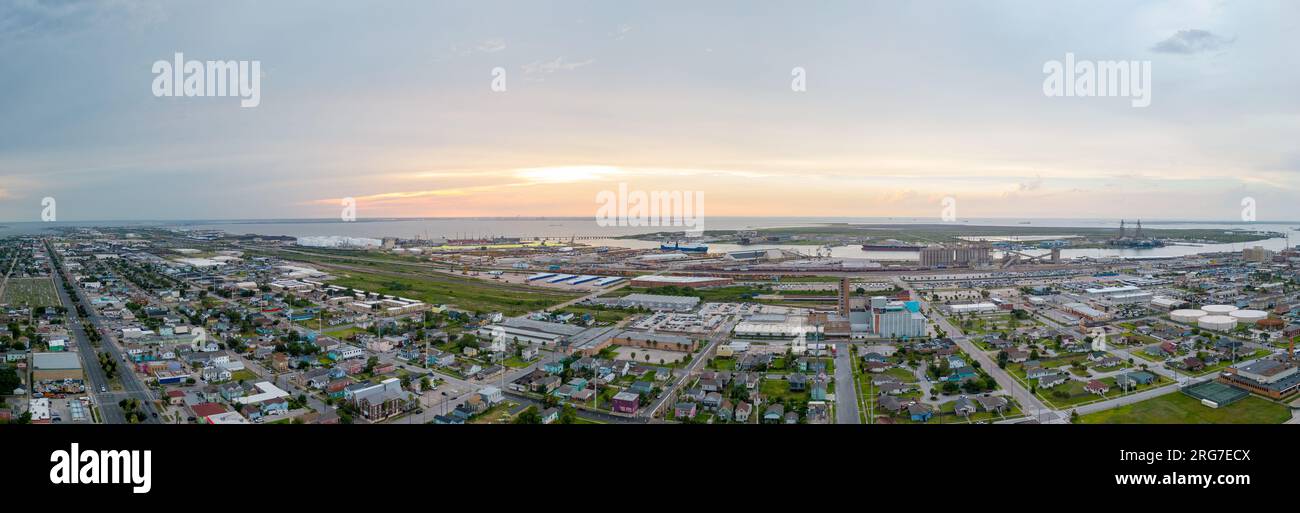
x=721 y=333
x=110 y=412
x=846 y=391
x=1032 y=406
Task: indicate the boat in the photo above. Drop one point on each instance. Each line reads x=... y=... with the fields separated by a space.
x=687 y=248
x=890 y=247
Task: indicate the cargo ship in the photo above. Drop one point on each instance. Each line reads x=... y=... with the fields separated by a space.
x=888 y=246
x=687 y=248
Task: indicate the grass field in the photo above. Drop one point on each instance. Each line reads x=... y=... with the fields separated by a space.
x=717 y=294
x=1178 y=408
x=31 y=292
x=243 y=375
x=778 y=390
x=465 y=293
x=344 y=333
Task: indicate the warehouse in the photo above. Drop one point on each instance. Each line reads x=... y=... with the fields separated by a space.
x=777 y=327
x=694 y=282
x=972 y=308
x=1110 y=291
x=658 y=302
x=1085 y=311
x=56 y=366
x=530 y=331
x=1167 y=303
x=1130 y=298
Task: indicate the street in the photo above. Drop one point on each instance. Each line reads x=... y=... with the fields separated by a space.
x=110 y=412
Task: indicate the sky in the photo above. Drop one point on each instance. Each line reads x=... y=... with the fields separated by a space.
x=905 y=103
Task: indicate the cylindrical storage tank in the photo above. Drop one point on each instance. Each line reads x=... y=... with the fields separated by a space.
x=1187 y=316
x=1249 y=315
x=1219 y=309
x=1217 y=322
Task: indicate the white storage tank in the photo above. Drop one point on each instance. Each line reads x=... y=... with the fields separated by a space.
x=1187 y=316
x=1249 y=315
x=1217 y=322
x=1219 y=309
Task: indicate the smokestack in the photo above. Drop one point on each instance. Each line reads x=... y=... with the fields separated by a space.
x=844 y=296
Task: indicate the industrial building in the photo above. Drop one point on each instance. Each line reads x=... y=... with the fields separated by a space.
x=972 y=308
x=659 y=302
x=1128 y=298
x=754 y=254
x=612 y=337
x=781 y=327
x=694 y=282
x=845 y=291
x=56 y=366
x=1167 y=303
x=531 y=331
x=1085 y=311
x=1110 y=291
x=964 y=255
x=1274 y=378
x=895 y=319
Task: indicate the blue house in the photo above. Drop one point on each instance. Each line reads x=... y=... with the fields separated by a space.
x=554 y=367
x=578 y=384
x=920 y=412
x=960 y=374
x=274 y=406
x=818 y=392
x=641 y=387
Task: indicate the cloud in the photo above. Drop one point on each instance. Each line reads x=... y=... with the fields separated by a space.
x=35 y=18
x=1192 y=41
x=1031 y=185
x=492 y=45
x=621 y=32
x=552 y=66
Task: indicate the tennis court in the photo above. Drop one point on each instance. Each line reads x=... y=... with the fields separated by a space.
x=1216 y=392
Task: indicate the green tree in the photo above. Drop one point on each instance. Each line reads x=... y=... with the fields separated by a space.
x=529 y=416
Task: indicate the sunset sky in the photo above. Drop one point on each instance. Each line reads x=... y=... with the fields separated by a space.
x=906 y=103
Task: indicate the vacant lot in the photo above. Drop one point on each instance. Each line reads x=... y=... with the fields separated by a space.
x=31 y=292
x=1178 y=408
x=465 y=293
